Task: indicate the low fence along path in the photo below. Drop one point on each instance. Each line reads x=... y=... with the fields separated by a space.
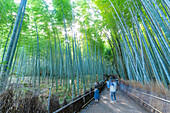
x=123 y=105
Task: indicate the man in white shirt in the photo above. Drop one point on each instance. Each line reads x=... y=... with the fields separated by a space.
x=113 y=90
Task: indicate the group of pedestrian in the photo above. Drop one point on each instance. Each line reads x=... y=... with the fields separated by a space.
x=111 y=85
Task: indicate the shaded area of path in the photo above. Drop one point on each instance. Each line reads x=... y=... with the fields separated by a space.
x=123 y=105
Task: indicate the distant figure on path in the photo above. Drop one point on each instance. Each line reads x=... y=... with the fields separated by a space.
x=108 y=85
x=96 y=92
x=110 y=80
x=113 y=90
x=117 y=83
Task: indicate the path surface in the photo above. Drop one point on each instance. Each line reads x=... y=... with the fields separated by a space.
x=123 y=105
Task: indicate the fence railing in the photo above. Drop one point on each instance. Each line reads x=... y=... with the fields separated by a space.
x=148 y=101
x=76 y=105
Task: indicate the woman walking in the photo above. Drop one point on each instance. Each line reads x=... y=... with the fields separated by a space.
x=96 y=92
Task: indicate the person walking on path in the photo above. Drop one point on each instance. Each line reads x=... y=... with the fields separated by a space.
x=96 y=92
x=110 y=80
x=117 y=83
x=108 y=85
x=113 y=90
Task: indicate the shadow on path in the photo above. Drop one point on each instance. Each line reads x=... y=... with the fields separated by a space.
x=123 y=105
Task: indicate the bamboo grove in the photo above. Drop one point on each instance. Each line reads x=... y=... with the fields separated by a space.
x=138 y=32
x=39 y=44
x=66 y=45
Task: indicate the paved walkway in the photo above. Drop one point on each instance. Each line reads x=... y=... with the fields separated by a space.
x=123 y=105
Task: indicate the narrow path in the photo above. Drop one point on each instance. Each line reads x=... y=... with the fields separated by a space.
x=123 y=105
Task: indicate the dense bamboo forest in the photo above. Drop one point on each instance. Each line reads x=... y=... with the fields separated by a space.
x=62 y=47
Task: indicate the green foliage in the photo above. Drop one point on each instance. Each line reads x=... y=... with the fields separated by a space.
x=72 y=41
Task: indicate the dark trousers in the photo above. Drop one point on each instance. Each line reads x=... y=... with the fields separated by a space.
x=113 y=94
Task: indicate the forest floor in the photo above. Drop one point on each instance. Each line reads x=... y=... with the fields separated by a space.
x=25 y=84
x=123 y=105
